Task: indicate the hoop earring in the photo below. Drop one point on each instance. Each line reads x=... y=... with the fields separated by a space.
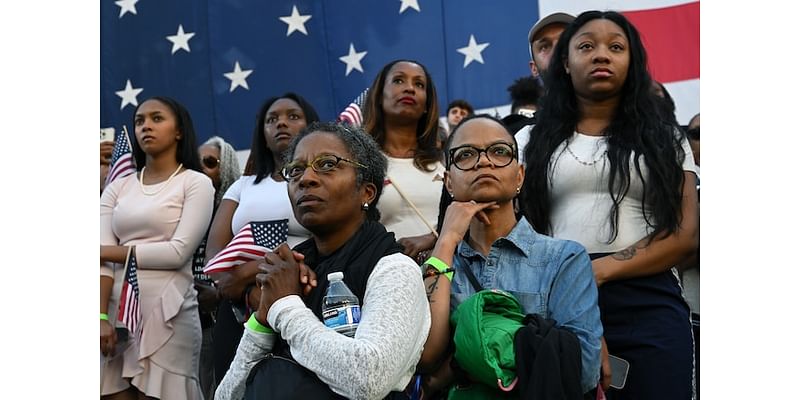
x=365 y=207
x=518 y=190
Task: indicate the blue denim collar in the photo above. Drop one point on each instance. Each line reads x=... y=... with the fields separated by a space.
x=518 y=239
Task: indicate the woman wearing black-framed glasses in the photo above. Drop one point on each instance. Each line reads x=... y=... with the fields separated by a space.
x=481 y=238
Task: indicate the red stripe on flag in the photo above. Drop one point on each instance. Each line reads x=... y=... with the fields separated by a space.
x=671 y=36
x=123 y=298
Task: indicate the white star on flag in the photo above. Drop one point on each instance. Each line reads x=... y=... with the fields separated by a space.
x=473 y=51
x=180 y=40
x=126 y=6
x=353 y=60
x=128 y=95
x=409 y=3
x=296 y=22
x=238 y=77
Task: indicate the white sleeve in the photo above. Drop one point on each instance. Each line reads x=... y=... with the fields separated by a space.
x=108 y=202
x=382 y=357
x=252 y=348
x=522 y=136
x=234 y=191
x=688 y=161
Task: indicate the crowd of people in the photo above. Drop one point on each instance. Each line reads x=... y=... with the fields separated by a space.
x=564 y=237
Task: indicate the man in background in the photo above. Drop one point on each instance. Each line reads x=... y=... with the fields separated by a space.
x=542 y=39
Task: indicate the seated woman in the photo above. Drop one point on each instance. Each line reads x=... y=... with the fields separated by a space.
x=335 y=176
x=549 y=277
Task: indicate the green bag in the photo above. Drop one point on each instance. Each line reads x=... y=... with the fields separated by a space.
x=484 y=328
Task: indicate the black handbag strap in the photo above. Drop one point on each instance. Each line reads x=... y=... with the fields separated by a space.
x=472 y=279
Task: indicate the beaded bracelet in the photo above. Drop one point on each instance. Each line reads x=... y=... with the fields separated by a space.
x=440 y=266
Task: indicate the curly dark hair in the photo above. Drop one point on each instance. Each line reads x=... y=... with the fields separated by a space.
x=427 y=154
x=638 y=132
x=362 y=148
x=525 y=90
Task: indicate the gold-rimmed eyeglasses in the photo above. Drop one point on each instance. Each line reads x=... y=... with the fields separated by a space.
x=322 y=164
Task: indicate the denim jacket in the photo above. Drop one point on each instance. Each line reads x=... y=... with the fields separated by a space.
x=550 y=277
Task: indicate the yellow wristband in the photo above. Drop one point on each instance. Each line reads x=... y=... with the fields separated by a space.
x=104 y=316
x=254 y=325
x=440 y=266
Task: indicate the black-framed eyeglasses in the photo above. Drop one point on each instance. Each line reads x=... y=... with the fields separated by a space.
x=210 y=162
x=322 y=164
x=466 y=157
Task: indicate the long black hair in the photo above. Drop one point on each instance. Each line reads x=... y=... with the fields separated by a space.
x=186 y=153
x=638 y=132
x=260 y=162
x=426 y=154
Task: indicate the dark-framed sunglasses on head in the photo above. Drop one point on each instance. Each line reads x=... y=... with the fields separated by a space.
x=210 y=162
x=322 y=164
x=466 y=157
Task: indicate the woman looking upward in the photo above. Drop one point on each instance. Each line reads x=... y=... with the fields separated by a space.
x=605 y=168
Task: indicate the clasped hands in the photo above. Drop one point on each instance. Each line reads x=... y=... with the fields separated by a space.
x=282 y=273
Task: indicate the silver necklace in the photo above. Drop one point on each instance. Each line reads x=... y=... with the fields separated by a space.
x=588 y=164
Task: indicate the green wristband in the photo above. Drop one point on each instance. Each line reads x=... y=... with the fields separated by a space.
x=104 y=316
x=254 y=325
x=440 y=266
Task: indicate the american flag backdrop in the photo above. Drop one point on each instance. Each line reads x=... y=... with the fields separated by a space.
x=223 y=58
x=129 y=312
x=121 y=158
x=251 y=243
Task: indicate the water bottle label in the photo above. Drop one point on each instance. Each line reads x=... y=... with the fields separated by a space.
x=342 y=316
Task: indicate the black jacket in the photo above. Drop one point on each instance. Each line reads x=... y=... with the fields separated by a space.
x=548 y=361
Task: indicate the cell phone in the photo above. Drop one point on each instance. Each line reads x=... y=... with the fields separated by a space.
x=619 y=371
x=107 y=134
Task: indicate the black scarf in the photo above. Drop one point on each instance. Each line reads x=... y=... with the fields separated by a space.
x=356 y=259
x=280 y=377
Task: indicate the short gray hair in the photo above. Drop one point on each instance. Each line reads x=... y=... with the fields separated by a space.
x=362 y=148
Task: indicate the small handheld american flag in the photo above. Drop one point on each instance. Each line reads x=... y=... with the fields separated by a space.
x=251 y=243
x=121 y=158
x=352 y=114
x=129 y=312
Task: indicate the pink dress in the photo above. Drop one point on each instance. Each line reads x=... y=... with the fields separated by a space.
x=166 y=228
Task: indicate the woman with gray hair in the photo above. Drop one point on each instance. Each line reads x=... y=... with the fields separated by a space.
x=335 y=179
x=221 y=164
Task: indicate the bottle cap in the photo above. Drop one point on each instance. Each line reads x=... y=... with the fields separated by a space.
x=336 y=276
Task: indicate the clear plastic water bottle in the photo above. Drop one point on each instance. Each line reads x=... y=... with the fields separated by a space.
x=341 y=310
